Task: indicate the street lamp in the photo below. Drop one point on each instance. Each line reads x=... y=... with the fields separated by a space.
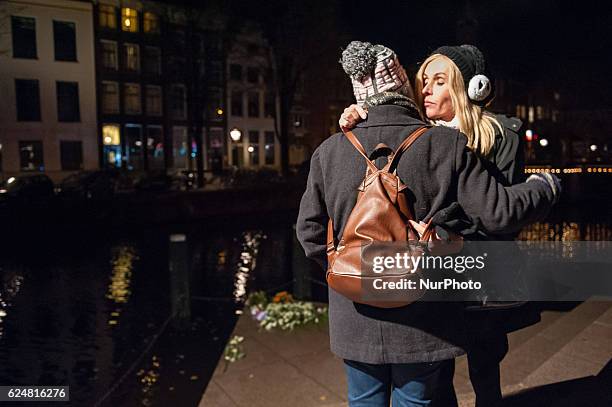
x=543 y=142
x=593 y=147
x=235 y=134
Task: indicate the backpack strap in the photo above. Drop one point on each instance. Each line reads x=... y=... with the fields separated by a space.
x=330 y=237
x=404 y=146
x=351 y=137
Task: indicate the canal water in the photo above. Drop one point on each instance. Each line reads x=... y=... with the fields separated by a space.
x=96 y=308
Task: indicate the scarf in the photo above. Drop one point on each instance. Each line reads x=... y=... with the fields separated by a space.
x=393 y=98
x=454 y=123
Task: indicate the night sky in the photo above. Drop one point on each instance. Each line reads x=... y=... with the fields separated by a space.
x=565 y=45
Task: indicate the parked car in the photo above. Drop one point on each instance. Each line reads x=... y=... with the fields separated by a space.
x=26 y=190
x=153 y=181
x=90 y=185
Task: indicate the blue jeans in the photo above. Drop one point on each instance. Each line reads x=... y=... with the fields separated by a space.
x=407 y=384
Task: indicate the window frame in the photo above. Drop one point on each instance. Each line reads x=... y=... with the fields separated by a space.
x=249 y=72
x=147 y=53
x=24 y=117
x=103 y=49
x=132 y=19
x=72 y=57
x=126 y=57
x=33 y=52
x=107 y=10
x=237 y=112
x=146 y=23
x=253 y=109
x=79 y=160
x=236 y=72
x=173 y=101
x=76 y=109
x=41 y=166
x=138 y=97
x=160 y=103
x=117 y=98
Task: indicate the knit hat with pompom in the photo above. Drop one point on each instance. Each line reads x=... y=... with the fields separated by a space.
x=374 y=69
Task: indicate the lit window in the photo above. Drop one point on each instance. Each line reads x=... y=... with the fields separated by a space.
x=106 y=16
x=155 y=147
x=110 y=135
x=151 y=23
x=131 y=57
x=129 y=20
x=31 y=156
x=112 y=152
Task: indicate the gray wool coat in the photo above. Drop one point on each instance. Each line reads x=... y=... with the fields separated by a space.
x=439 y=169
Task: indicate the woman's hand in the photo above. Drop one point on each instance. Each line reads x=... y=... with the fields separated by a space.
x=351 y=116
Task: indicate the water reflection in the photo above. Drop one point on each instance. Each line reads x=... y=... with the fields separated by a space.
x=566 y=231
x=11 y=284
x=246 y=264
x=123 y=262
x=548 y=236
x=148 y=379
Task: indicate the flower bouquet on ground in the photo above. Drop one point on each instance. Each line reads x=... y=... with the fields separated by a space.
x=233 y=350
x=283 y=312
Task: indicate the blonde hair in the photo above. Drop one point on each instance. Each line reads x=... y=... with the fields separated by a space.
x=477 y=124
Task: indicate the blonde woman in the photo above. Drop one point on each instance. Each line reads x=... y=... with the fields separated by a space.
x=452 y=90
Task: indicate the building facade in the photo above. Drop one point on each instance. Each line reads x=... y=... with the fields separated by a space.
x=47 y=79
x=160 y=86
x=253 y=105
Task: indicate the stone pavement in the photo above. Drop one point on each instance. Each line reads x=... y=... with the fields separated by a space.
x=297 y=369
x=280 y=369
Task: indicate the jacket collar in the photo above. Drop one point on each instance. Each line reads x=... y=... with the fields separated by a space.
x=390 y=115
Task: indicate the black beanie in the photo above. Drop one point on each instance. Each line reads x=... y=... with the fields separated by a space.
x=471 y=64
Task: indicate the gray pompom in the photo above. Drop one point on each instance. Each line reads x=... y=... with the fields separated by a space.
x=359 y=59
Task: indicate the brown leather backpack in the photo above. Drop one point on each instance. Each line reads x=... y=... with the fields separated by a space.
x=381 y=214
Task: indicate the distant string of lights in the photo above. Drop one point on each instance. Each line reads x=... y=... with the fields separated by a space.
x=572 y=170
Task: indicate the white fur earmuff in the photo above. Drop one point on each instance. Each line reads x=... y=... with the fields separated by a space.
x=479 y=88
